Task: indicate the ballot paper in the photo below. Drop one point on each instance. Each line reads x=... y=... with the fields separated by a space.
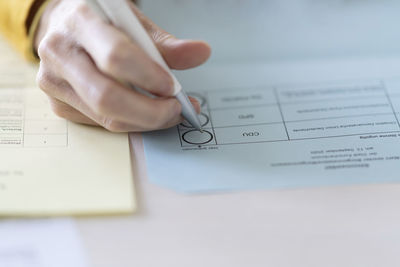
x=43 y=243
x=296 y=93
x=284 y=125
x=49 y=166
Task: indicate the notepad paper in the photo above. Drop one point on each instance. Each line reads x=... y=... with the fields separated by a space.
x=49 y=166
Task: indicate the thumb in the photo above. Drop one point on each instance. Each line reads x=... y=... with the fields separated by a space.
x=179 y=54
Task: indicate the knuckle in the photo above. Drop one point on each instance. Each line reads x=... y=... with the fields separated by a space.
x=80 y=19
x=82 y=9
x=49 y=44
x=115 y=56
x=44 y=81
x=75 y=16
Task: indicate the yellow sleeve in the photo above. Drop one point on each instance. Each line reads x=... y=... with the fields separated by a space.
x=13 y=24
x=15 y=27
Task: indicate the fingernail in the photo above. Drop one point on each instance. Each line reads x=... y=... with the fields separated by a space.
x=174 y=41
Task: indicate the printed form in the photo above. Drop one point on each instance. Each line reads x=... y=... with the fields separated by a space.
x=290 y=132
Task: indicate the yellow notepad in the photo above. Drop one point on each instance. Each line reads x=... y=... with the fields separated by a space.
x=49 y=166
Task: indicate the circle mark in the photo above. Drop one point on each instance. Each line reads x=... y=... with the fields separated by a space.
x=195 y=137
x=204 y=119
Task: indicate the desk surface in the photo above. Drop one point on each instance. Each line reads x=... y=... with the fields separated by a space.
x=336 y=226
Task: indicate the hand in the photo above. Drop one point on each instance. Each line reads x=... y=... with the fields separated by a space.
x=83 y=60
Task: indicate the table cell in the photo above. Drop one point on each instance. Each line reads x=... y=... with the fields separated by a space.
x=342 y=127
x=330 y=92
x=40 y=113
x=204 y=119
x=197 y=138
x=251 y=134
x=45 y=127
x=43 y=140
x=396 y=102
x=338 y=108
x=11 y=126
x=246 y=116
x=15 y=140
x=35 y=98
x=11 y=112
x=245 y=97
x=11 y=97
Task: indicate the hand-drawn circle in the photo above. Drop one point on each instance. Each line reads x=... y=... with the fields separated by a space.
x=204 y=119
x=195 y=137
x=199 y=98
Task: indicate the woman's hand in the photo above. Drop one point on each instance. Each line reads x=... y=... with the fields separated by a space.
x=83 y=59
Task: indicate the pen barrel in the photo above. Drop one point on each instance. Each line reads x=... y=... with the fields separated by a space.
x=121 y=15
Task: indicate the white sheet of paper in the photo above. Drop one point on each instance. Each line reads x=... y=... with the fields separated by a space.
x=281 y=125
x=43 y=243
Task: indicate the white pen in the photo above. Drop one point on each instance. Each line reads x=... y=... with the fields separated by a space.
x=120 y=14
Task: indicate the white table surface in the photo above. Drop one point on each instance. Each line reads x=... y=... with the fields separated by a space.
x=336 y=226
